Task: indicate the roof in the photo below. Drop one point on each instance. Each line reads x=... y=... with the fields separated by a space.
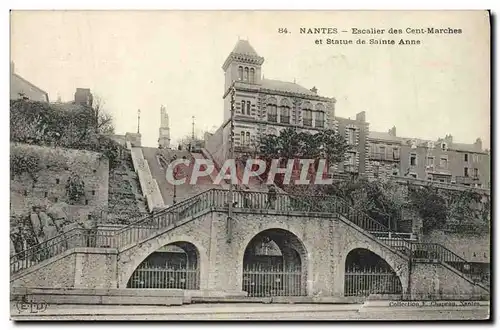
x=243 y=47
x=383 y=136
x=285 y=86
x=465 y=147
x=31 y=85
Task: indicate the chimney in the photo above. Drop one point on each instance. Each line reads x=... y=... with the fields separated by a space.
x=392 y=131
x=314 y=90
x=478 y=144
x=361 y=116
x=449 y=139
x=83 y=97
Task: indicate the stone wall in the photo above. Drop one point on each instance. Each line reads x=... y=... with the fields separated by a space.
x=58 y=272
x=438 y=280
x=470 y=247
x=40 y=207
x=89 y=268
x=56 y=166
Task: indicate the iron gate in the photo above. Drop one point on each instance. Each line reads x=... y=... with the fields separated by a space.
x=366 y=281
x=151 y=277
x=261 y=281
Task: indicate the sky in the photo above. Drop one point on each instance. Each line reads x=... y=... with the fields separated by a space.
x=144 y=59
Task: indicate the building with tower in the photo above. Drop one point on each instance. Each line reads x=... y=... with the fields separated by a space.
x=267 y=106
x=164 y=131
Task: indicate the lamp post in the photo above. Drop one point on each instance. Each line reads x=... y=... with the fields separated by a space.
x=231 y=156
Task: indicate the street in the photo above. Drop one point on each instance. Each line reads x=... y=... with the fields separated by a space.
x=245 y=311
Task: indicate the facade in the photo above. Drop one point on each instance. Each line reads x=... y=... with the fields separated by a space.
x=20 y=87
x=442 y=160
x=265 y=106
x=164 y=131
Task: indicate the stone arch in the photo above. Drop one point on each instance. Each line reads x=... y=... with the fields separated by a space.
x=319 y=107
x=173 y=266
x=388 y=272
x=285 y=102
x=271 y=100
x=131 y=259
x=274 y=263
x=306 y=105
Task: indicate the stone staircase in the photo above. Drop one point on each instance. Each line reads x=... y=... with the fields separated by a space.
x=143 y=229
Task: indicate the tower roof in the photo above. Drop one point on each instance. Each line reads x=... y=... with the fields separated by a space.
x=243 y=47
x=243 y=52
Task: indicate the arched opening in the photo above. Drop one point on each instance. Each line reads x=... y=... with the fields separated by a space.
x=366 y=273
x=173 y=266
x=275 y=264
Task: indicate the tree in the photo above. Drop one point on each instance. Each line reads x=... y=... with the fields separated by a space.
x=430 y=205
x=103 y=119
x=291 y=144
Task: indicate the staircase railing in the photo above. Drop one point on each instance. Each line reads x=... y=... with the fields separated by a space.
x=398 y=241
x=145 y=227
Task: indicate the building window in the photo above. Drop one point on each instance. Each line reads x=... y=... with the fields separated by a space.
x=243 y=107
x=444 y=146
x=395 y=153
x=381 y=150
x=285 y=115
x=45 y=194
x=476 y=173
x=57 y=181
x=242 y=142
x=320 y=119
x=307 y=114
x=307 y=118
x=284 y=111
x=252 y=75
x=93 y=192
x=247 y=141
x=375 y=171
x=443 y=162
x=249 y=106
x=466 y=171
x=350 y=136
x=466 y=158
x=240 y=73
x=430 y=161
x=272 y=111
x=246 y=75
x=413 y=160
x=86 y=202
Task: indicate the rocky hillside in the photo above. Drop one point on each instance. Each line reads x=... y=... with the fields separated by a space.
x=125 y=200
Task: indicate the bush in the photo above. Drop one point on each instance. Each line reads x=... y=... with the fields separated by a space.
x=67 y=126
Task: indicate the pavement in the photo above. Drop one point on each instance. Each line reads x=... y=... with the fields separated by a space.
x=248 y=311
